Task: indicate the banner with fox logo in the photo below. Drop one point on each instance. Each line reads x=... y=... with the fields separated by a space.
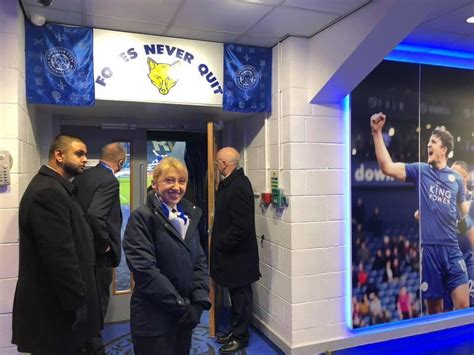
x=145 y=68
x=59 y=69
x=247 y=78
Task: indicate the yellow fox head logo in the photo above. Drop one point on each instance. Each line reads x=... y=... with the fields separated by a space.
x=161 y=75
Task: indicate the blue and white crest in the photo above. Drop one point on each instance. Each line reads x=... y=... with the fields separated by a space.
x=60 y=61
x=59 y=65
x=247 y=77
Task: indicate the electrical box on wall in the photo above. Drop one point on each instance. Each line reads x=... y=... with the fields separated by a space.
x=265 y=199
x=6 y=163
x=279 y=200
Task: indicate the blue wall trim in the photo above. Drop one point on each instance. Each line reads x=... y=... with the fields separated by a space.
x=432 y=56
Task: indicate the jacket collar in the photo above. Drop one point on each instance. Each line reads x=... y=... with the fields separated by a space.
x=106 y=167
x=232 y=176
x=68 y=186
x=186 y=205
x=189 y=209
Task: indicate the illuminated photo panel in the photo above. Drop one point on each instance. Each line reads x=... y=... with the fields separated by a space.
x=412 y=244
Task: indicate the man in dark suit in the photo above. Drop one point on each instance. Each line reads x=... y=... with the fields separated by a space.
x=234 y=251
x=99 y=195
x=56 y=307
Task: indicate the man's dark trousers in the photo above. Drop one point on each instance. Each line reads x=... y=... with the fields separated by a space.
x=104 y=274
x=241 y=299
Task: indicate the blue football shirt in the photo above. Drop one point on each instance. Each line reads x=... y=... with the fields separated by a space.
x=440 y=191
x=463 y=240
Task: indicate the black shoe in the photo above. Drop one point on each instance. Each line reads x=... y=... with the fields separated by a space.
x=232 y=346
x=225 y=338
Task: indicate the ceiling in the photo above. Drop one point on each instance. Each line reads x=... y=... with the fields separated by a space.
x=251 y=22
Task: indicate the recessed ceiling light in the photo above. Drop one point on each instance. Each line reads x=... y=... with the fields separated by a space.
x=470 y=19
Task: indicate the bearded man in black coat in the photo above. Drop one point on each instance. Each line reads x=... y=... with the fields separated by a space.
x=234 y=253
x=56 y=307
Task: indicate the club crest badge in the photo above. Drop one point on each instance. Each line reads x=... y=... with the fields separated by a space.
x=246 y=77
x=60 y=61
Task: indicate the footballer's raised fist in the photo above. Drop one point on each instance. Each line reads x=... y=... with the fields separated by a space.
x=377 y=121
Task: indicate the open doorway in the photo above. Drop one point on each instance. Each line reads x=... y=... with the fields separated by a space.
x=190 y=147
x=145 y=148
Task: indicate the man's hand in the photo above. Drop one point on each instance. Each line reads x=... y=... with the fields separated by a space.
x=377 y=122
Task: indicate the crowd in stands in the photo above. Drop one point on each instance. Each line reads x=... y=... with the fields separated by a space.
x=405 y=144
x=385 y=269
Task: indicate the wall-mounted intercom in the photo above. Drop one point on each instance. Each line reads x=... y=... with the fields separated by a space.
x=6 y=163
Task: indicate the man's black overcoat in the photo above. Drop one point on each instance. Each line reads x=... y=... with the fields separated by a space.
x=56 y=268
x=100 y=197
x=234 y=251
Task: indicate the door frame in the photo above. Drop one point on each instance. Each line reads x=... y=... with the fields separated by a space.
x=96 y=137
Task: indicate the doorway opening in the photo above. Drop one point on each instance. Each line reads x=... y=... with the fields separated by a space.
x=145 y=148
x=191 y=148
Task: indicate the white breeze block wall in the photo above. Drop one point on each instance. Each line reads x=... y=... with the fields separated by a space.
x=18 y=137
x=300 y=296
x=313 y=161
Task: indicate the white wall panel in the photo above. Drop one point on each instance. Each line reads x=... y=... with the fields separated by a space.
x=8 y=261
x=7 y=291
x=9 y=226
x=293 y=129
x=330 y=130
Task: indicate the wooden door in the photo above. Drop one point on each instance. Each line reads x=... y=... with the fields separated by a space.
x=213 y=180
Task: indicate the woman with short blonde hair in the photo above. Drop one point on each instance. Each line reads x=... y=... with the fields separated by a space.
x=163 y=250
x=169 y=163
